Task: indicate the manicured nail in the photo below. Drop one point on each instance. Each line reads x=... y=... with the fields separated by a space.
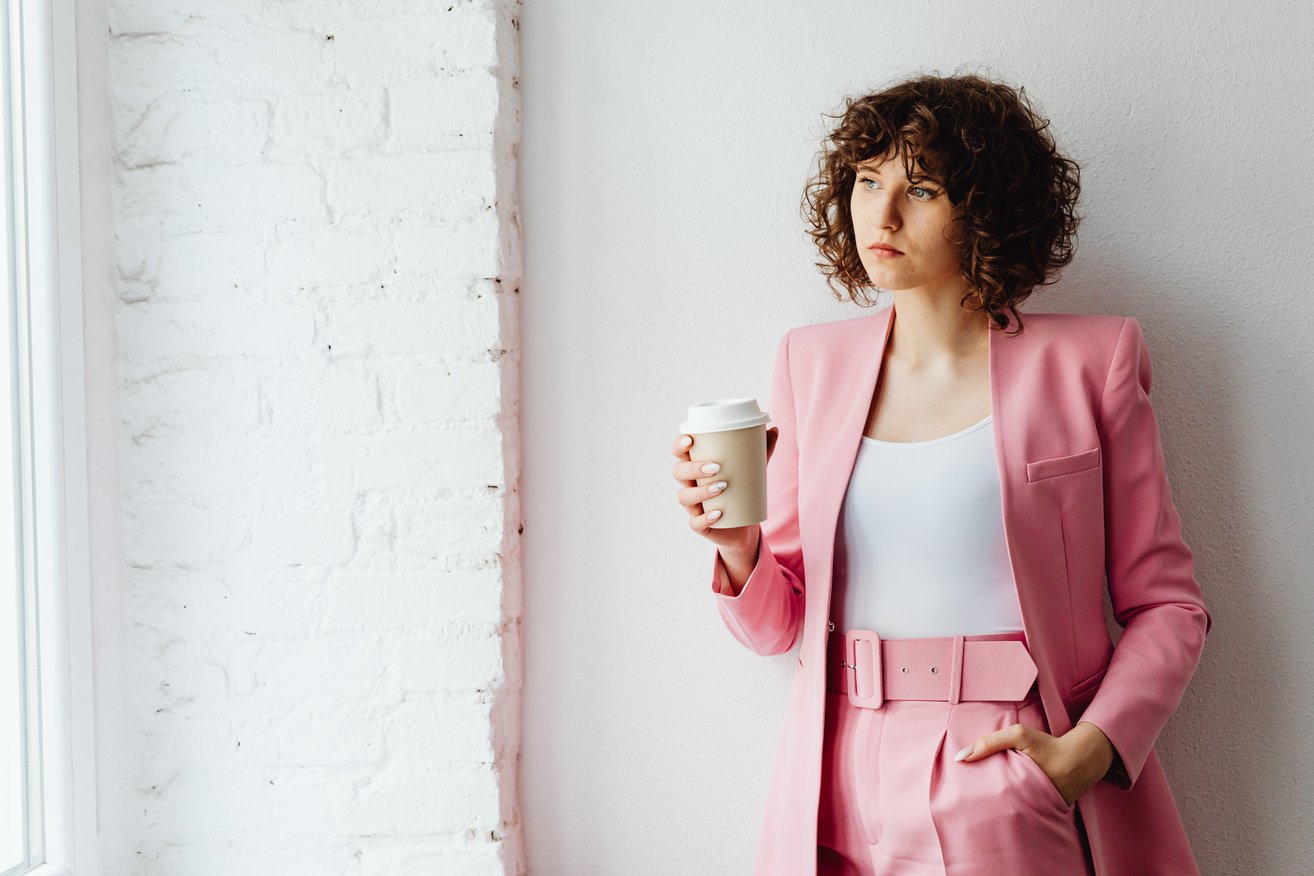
x=964 y=753
x=685 y=440
x=714 y=515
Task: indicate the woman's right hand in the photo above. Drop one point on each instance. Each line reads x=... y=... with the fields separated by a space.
x=691 y=497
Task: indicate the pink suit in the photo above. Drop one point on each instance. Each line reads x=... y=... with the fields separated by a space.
x=1086 y=505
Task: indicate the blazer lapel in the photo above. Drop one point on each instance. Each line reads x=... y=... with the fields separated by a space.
x=850 y=387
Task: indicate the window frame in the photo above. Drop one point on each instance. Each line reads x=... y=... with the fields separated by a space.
x=62 y=811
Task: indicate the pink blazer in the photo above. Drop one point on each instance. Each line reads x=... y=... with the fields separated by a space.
x=1086 y=504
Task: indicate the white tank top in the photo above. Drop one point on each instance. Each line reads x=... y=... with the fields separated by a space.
x=920 y=549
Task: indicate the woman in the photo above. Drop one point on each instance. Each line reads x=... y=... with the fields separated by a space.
x=951 y=494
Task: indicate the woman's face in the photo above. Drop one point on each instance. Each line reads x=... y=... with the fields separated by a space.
x=914 y=218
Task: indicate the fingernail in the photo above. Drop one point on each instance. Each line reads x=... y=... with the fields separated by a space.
x=714 y=515
x=685 y=440
x=964 y=753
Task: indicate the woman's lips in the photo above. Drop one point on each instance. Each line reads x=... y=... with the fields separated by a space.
x=885 y=252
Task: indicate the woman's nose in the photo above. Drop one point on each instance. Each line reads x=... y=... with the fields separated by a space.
x=886 y=214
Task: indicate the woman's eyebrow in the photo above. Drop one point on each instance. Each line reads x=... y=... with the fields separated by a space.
x=869 y=168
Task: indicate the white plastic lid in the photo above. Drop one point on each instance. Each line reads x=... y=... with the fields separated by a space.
x=724 y=414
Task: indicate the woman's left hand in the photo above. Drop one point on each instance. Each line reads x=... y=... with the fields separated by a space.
x=1074 y=761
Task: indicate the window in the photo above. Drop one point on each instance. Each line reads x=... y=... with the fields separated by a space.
x=47 y=776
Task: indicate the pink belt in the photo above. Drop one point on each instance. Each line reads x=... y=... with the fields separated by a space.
x=949 y=668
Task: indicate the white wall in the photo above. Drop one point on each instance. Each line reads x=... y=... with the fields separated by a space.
x=303 y=266
x=666 y=146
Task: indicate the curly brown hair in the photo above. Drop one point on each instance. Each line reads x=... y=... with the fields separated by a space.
x=1000 y=168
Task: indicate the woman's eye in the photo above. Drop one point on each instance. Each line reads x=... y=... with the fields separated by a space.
x=929 y=193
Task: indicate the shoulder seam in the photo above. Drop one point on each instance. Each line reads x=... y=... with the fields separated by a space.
x=1122 y=331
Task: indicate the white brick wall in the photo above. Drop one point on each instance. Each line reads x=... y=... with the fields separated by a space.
x=317 y=274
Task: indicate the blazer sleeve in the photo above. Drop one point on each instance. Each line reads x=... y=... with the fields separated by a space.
x=767 y=615
x=1156 y=598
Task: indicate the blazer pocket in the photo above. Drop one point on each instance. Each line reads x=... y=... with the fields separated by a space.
x=1087 y=683
x=1062 y=465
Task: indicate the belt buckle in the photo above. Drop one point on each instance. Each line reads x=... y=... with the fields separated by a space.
x=855 y=643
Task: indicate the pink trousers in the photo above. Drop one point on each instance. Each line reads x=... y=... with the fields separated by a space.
x=894 y=801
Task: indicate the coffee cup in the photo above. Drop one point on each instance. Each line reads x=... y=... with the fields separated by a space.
x=732 y=432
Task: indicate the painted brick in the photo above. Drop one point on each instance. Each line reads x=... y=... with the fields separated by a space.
x=213 y=266
x=315 y=266
x=337 y=666
x=457 y=662
x=450 y=392
x=193 y=331
x=331 y=258
x=347 y=117
x=449 y=113
x=441 y=185
x=461 y=329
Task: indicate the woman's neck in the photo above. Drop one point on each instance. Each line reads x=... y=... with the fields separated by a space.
x=936 y=333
